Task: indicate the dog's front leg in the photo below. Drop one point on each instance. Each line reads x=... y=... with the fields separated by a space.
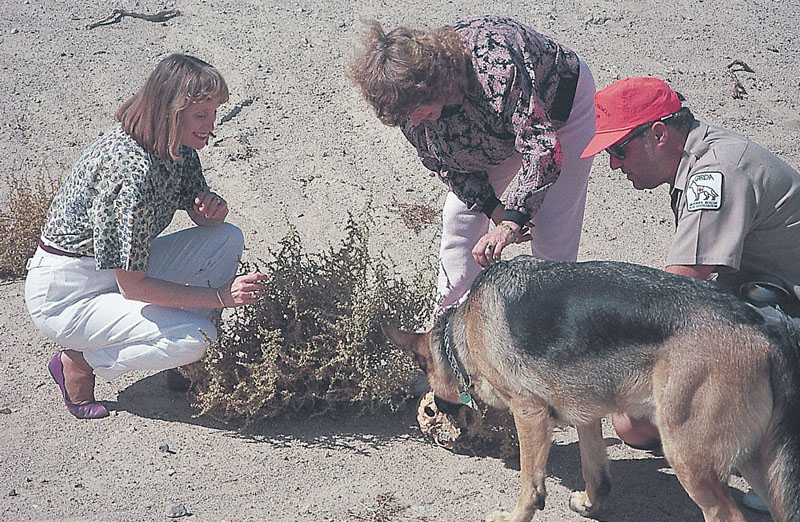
x=594 y=463
x=534 y=431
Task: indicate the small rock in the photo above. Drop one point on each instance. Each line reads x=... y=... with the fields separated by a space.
x=12 y=493
x=164 y=448
x=5 y=411
x=176 y=511
x=14 y=31
x=170 y=472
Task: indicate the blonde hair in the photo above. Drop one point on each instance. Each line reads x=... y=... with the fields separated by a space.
x=405 y=68
x=153 y=116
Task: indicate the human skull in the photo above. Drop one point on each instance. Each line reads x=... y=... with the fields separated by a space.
x=439 y=426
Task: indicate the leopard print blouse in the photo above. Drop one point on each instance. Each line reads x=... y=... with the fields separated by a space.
x=118 y=198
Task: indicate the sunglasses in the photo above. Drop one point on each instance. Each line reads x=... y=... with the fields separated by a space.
x=618 y=149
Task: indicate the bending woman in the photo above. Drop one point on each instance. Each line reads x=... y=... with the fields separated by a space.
x=102 y=284
x=485 y=102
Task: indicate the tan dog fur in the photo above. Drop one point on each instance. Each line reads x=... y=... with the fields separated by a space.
x=704 y=366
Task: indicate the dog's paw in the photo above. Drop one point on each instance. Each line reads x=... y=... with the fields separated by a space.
x=498 y=516
x=579 y=503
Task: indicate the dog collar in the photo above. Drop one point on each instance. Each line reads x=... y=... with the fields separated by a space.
x=458 y=368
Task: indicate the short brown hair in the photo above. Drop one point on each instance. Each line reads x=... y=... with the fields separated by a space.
x=404 y=68
x=153 y=115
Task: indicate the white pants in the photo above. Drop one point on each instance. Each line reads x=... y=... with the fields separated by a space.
x=81 y=308
x=557 y=226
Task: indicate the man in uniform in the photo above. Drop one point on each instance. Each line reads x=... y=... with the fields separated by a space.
x=736 y=205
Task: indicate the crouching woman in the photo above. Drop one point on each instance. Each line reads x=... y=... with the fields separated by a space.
x=102 y=283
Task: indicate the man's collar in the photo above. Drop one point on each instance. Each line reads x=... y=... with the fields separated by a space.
x=694 y=147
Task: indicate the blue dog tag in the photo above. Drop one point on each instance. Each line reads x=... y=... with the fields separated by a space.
x=466 y=399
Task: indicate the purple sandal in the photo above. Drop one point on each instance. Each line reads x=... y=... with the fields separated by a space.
x=90 y=410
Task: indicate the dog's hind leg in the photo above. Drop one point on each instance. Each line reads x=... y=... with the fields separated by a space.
x=699 y=454
x=594 y=463
x=706 y=423
x=534 y=431
x=708 y=491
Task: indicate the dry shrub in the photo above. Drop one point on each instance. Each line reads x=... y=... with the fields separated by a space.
x=313 y=342
x=22 y=215
x=385 y=509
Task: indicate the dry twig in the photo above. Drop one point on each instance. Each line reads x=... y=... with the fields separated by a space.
x=388 y=507
x=733 y=67
x=118 y=14
x=235 y=110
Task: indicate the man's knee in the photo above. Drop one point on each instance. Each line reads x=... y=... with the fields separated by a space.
x=636 y=432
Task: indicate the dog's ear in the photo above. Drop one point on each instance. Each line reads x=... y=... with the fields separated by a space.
x=415 y=345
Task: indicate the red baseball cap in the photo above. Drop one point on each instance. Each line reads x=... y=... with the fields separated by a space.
x=625 y=104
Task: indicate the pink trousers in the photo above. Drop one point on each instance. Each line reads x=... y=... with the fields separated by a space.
x=557 y=226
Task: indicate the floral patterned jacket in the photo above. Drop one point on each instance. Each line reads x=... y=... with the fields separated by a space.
x=518 y=109
x=118 y=198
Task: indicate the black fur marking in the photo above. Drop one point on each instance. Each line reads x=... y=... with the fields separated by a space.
x=612 y=310
x=785 y=374
x=595 y=319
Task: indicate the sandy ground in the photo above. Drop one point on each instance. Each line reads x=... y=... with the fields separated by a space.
x=303 y=148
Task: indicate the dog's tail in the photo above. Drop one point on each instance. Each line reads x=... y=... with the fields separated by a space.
x=784 y=474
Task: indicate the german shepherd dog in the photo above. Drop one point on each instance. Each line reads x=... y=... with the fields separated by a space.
x=570 y=343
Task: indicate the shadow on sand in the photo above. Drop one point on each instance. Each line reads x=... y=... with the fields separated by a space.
x=150 y=398
x=643 y=488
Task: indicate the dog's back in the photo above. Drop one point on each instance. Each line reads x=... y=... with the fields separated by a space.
x=595 y=326
x=613 y=304
x=596 y=337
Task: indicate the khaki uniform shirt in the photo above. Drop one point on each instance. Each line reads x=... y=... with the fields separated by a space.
x=737 y=206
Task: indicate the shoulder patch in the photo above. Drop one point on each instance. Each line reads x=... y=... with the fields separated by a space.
x=704 y=191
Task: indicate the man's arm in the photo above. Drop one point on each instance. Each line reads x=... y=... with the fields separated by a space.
x=696 y=271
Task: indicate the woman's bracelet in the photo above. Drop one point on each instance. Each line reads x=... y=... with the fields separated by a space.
x=508 y=227
x=219 y=296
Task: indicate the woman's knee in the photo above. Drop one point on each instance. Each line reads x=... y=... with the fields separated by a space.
x=235 y=236
x=230 y=238
x=191 y=344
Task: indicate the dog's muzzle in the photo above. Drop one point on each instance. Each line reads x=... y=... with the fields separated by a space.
x=446 y=407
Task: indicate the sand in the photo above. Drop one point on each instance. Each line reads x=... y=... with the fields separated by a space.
x=296 y=144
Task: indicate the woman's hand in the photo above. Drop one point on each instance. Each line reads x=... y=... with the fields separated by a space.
x=489 y=248
x=209 y=209
x=242 y=290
